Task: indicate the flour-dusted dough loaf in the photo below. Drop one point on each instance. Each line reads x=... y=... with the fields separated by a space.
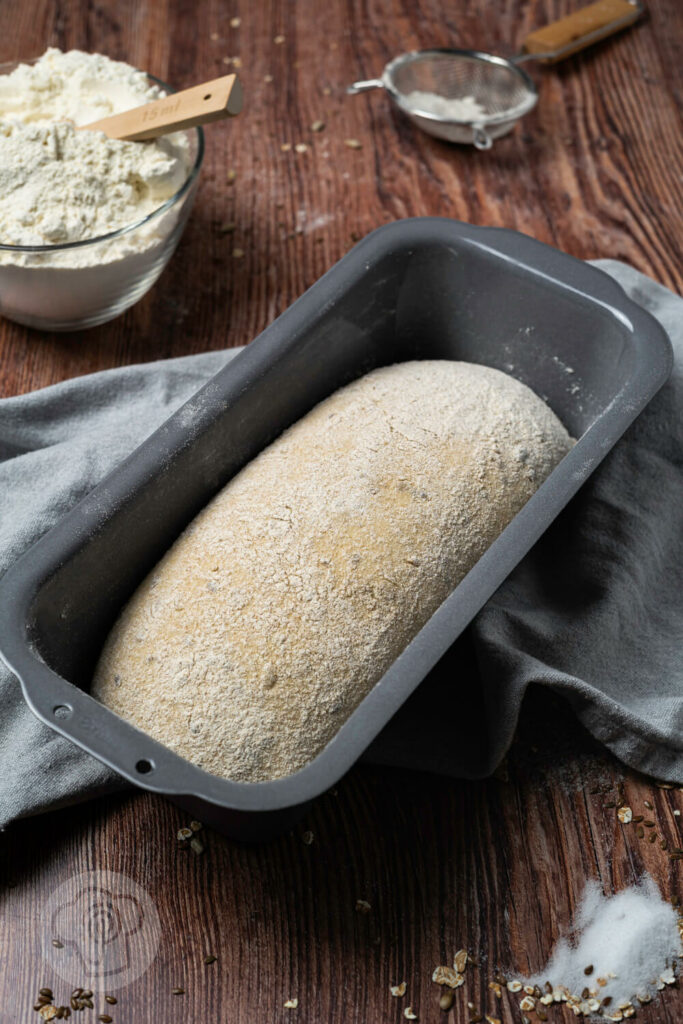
x=293 y=591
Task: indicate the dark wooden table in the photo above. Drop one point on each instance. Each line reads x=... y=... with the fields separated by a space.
x=497 y=866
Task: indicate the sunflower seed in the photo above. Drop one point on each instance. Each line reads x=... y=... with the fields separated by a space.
x=446 y=1000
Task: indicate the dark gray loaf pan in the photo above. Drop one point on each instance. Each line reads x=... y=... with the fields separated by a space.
x=416 y=289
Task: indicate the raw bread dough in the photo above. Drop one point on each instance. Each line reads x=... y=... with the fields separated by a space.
x=294 y=590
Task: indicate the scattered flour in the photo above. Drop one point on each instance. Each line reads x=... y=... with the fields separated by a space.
x=60 y=185
x=630 y=940
x=464 y=108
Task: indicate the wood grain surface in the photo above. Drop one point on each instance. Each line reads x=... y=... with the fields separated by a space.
x=497 y=867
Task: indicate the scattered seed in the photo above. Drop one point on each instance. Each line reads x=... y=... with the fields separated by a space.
x=279 y=40
x=45 y=992
x=492 y=1020
x=677 y=813
x=496 y=989
x=184 y=834
x=585 y=993
x=112 y=999
x=527 y=1003
x=363 y=907
x=675 y=901
x=637 y=818
x=398 y=990
x=447 y=976
x=215 y=36
x=196 y=826
x=676 y=849
x=546 y=999
x=625 y=814
x=541 y=1014
x=476 y=1019
x=514 y=986
x=460 y=960
x=48 y=1012
x=196 y=845
x=607 y=1001
x=57 y=944
x=529 y=989
x=612 y=803
x=301 y=147
x=649 y=823
x=237 y=254
x=447 y=999
x=648 y=805
x=286 y=146
x=318 y=126
x=178 y=991
x=653 y=837
x=267 y=78
x=640 y=831
x=588 y=970
x=235 y=22
x=73 y=1002
x=86 y=1001
x=408 y=1013
x=675 y=856
x=353 y=143
x=307 y=838
x=232 y=174
x=291 y=1004
x=665 y=785
x=105 y=1018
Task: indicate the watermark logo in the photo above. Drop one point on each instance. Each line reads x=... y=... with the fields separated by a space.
x=102 y=930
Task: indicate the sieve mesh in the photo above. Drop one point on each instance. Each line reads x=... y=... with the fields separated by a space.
x=498 y=87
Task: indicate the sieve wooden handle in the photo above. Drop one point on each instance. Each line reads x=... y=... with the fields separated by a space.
x=211 y=101
x=582 y=29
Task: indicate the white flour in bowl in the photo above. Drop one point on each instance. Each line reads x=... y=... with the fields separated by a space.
x=61 y=185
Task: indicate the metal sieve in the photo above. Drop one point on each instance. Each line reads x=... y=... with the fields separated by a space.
x=486 y=94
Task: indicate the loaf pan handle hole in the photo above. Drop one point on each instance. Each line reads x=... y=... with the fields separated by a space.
x=144 y=766
x=62 y=710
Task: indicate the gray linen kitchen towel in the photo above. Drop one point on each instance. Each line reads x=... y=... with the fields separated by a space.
x=595 y=611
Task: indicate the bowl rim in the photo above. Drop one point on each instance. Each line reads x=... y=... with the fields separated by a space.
x=127 y=228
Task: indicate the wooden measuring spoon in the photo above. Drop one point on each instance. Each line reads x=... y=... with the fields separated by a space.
x=211 y=101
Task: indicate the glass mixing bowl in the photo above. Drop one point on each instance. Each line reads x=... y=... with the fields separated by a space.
x=44 y=286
